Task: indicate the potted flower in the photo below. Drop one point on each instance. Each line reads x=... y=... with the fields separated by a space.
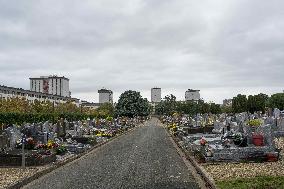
x=239 y=139
x=257 y=138
x=61 y=150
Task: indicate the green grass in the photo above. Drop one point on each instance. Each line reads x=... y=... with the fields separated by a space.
x=265 y=182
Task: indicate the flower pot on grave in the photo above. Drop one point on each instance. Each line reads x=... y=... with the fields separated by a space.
x=257 y=139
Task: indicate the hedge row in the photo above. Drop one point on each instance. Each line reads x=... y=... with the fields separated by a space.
x=19 y=118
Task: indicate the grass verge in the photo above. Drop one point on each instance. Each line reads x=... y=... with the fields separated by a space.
x=263 y=182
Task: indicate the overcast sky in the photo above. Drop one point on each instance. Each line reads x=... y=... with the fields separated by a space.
x=222 y=47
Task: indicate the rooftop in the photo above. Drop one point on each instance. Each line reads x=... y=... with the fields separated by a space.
x=104 y=91
x=48 y=77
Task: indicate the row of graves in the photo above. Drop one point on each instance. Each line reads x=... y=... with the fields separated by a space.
x=43 y=143
x=241 y=137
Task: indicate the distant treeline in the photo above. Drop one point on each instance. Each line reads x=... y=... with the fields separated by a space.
x=240 y=103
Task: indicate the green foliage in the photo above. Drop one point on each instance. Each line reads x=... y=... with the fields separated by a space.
x=109 y=118
x=226 y=109
x=19 y=110
x=19 y=118
x=264 y=182
x=215 y=108
x=239 y=103
x=276 y=101
x=167 y=106
x=257 y=103
x=189 y=107
x=203 y=107
x=132 y=104
x=105 y=110
x=255 y=122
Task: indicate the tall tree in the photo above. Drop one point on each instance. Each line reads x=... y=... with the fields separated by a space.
x=239 y=104
x=215 y=108
x=131 y=103
x=167 y=106
x=276 y=101
x=105 y=110
x=257 y=102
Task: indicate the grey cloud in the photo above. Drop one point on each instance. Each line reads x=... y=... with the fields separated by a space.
x=221 y=47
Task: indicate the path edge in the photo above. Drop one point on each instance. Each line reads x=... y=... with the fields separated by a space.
x=204 y=180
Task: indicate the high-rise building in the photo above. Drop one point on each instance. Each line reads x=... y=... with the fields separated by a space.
x=51 y=85
x=105 y=95
x=227 y=102
x=191 y=94
x=156 y=95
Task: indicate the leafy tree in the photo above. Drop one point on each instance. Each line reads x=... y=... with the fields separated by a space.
x=41 y=107
x=226 y=109
x=239 y=104
x=106 y=110
x=167 y=106
x=276 y=101
x=257 y=103
x=203 y=107
x=215 y=108
x=190 y=107
x=67 y=107
x=132 y=104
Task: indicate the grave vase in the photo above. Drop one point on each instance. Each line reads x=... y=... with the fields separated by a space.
x=257 y=139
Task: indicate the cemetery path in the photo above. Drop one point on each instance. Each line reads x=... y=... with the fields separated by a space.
x=144 y=158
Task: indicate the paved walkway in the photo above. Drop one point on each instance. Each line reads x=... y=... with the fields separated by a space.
x=144 y=158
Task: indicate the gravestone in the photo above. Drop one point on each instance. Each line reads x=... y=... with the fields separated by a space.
x=248 y=132
x=234 y=126
x=266 y=131
x=67 y=125
x=218 y=127
x=79 y=129
x=276 y=113
x=14 y=135
x=269 y=120
x=61 y=128
x=241 y=127
x=45 y=127
x=280 y=124
x=4 y=141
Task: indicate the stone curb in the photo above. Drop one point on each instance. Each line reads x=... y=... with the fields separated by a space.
x=56 y=165
x=209 y=181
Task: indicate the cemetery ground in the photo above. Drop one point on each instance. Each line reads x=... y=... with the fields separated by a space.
x=246 y=175
x=144 y=158
x=15 y=176
x=249 y=175
x=234 y=165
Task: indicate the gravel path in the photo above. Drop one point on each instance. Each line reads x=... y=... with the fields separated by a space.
x=144 y=158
